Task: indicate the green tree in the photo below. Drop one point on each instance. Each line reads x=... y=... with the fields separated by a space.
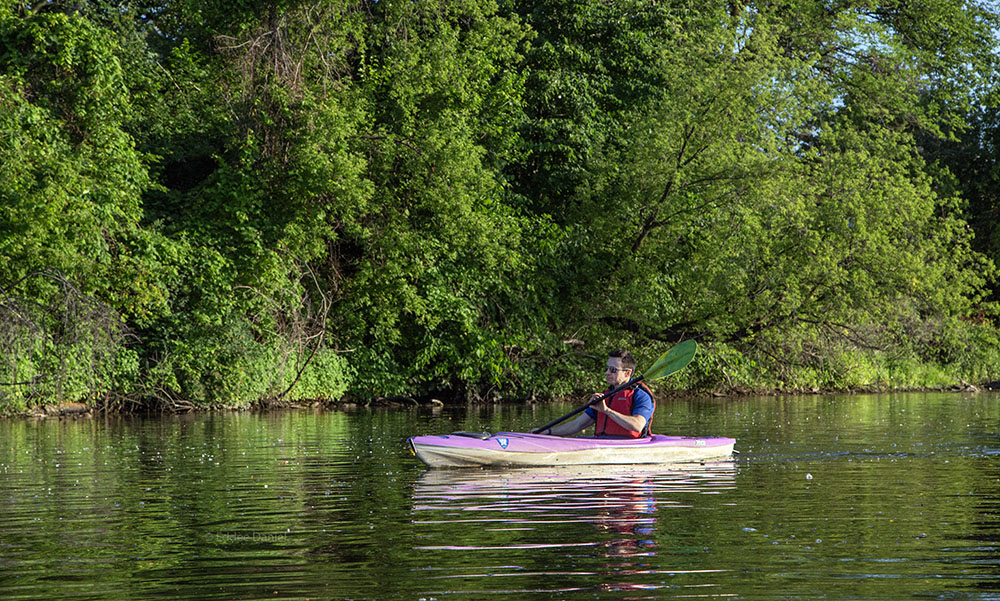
x=351 y=199
x=305 y=198
x=434 y=248
x=774 y=199
x=71 y=189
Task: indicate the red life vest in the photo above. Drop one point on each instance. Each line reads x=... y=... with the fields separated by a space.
x=622 y=403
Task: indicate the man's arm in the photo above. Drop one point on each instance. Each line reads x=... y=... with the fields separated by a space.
x=573 y=426
x=630 y=422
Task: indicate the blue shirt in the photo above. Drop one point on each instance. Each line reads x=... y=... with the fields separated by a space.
x=642 y=404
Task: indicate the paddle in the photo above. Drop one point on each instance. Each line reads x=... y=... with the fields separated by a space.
x=673 y=360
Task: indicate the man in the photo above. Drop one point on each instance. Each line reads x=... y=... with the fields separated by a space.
x=625 y=415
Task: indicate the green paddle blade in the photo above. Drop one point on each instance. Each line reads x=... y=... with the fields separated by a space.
x=673 y=360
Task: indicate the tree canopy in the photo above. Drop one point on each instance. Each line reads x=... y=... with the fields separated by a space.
x=217 y=203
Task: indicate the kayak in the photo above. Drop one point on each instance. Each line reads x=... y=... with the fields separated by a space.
x=476 y=449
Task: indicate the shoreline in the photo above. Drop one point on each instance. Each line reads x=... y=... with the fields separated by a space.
x=78 y=410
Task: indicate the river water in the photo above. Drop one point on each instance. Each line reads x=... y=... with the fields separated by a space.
x=834 y=497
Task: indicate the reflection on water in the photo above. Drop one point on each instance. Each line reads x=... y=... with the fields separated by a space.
x=619 y=498
x=857 y=497
x=610 y=512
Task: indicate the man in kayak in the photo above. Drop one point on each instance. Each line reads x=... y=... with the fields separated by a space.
x=625 y=415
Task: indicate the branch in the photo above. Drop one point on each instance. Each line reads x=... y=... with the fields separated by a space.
x=30 y=382
x=325 y=305
x=673 y=334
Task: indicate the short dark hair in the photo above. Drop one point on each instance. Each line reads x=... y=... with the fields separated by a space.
x=628 y=361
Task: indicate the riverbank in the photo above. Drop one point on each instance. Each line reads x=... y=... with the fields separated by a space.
x=78 y=410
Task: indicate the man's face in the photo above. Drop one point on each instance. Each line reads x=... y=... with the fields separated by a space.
x=615 y=374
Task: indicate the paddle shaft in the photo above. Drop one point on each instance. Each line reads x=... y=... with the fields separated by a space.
x=576 y=411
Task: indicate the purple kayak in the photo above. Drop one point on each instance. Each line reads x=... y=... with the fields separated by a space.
x=472 y=449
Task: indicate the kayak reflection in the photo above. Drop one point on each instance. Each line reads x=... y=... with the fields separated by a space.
x=513 y=518
x=706 y=477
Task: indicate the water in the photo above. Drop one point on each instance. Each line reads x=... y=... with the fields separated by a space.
x=851 y=497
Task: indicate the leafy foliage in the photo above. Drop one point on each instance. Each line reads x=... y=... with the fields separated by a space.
x=313 y=199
